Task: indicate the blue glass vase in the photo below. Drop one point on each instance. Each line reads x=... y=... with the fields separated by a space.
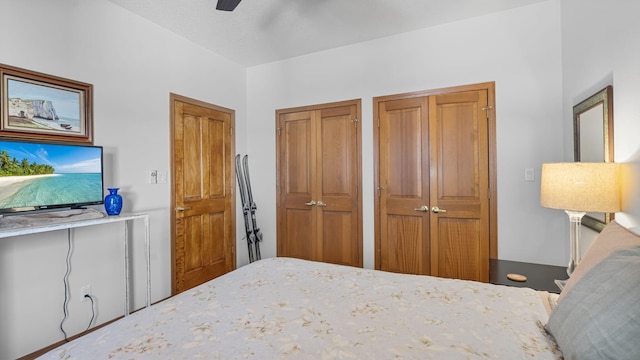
x=113 y=202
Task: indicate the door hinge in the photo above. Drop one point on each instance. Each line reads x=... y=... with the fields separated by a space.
x=487 y=108
x=278 y=131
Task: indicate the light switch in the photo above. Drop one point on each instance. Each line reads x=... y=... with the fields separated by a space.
x=529 y=174
x=152 y=176
x=162 y=177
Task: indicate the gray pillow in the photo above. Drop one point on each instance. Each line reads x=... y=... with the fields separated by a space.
x=599 y=318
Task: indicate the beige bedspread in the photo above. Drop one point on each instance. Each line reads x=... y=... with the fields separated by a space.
x=289 y=308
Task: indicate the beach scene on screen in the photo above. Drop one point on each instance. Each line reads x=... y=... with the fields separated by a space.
x=33 y=174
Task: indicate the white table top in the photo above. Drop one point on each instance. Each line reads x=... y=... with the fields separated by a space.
x=16 y=225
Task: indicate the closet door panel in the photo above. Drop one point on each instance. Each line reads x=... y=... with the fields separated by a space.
x=299 y=231
x=336 y=156
x=338 y=238
x=296 y=162
x=299 y=159
x=459 y=147
x=338 y=185
x=404 y=179
x=459 y=245
x=457 y=133
x=318 y=161
x=404 y=246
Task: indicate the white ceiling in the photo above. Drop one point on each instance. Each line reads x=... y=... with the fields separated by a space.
x=262 y=31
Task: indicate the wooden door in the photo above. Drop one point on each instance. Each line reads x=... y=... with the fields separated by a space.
x=296 y=186
x=203 y=197
x=458 y=146
x=404 y=186
x=319 y=202
x=337 y=174
x=433 y=177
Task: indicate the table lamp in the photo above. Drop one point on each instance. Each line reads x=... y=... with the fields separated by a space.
x=578 y=188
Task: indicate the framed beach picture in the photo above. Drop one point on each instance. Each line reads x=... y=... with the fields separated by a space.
x=43 y=107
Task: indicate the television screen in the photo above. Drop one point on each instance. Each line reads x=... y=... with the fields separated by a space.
x=37 y=176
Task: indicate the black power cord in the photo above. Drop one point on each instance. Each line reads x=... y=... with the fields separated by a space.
x=93 y=310
x=65 y=280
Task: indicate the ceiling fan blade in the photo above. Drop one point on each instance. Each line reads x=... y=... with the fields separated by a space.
x=227 y=5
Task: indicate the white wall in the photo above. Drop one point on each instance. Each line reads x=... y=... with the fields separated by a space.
x=133 y=66
x=542 y=59
x=518 y=49
x=600 y=46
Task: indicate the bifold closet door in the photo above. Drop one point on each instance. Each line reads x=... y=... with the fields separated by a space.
x=432 y=179
x=319 y=216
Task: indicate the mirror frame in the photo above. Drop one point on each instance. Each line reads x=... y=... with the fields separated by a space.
x=604 y=97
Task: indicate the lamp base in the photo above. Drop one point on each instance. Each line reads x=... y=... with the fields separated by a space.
x=575 y=222
x=571 y=266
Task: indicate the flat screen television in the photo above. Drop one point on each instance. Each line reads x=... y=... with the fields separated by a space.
x=39 y=176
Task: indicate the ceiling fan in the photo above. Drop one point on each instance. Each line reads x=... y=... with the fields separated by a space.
x=227 y=5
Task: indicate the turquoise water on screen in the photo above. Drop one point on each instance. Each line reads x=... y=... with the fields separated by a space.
x=55 y=190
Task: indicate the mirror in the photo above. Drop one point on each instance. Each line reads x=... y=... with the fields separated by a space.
x=593 y=140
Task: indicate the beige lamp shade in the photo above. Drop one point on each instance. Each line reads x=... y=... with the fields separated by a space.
x=581 y=186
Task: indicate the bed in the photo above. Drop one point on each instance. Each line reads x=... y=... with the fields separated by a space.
x=289 y=308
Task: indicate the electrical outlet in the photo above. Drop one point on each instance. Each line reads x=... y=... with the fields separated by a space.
x=529 y=174
x=85 y=290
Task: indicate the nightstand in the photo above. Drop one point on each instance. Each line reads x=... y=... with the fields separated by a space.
x=539 y=277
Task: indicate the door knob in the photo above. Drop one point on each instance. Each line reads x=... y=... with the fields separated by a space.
x=423 y=208
x=320 y=203
x=182 y=208
x=436 y=210
x=311 y=203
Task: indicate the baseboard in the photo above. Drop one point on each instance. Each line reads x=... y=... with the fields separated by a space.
x=45 y=350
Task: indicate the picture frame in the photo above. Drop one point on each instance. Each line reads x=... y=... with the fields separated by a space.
x=44 y=107
x=593 y=141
